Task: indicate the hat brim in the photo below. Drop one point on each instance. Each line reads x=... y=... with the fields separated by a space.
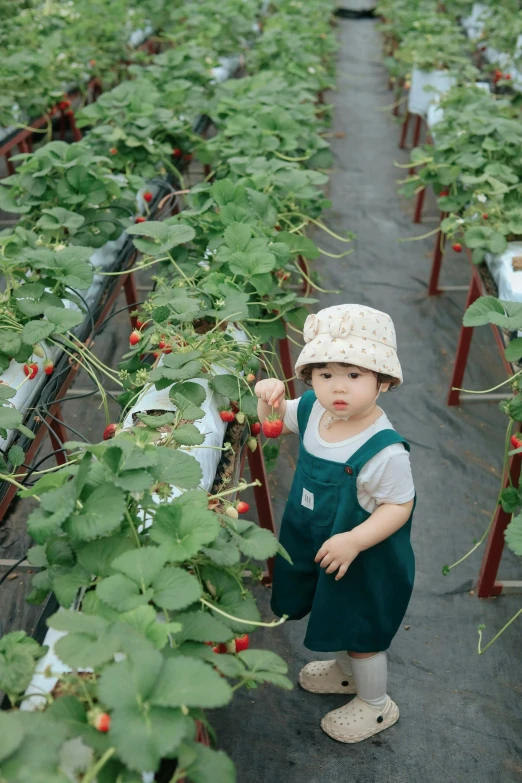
x=359 y=351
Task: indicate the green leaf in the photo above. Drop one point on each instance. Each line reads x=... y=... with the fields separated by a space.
x=497 y=243
x=76 y=622
x=513 y=351
x=175 y=589
x=205 y=765
x=81 y=650
x=122 y=593
x=188 y=435
x=144 y=619
x=226 y=385
x=97 y=556
x=193 y=392
x=58 y=217
x=483 y=311
x=102 y=513
x=184 y=526
x=141 y=565
x=256 y=542
x=156 y=421
x=16 y=456
x=143 y=738
x=513 y=535
x=63 y=319
x=36 y=331
x=127 y=682
x=12 y=734
x=202 y=627
x=176 y=468
x=237 y=236
x=190 y=682
x=163 y=237
x=510 y=499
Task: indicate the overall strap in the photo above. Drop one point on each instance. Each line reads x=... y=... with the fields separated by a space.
x=373 y=446
x=304 y=409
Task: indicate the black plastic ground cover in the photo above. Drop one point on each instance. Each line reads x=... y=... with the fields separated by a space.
x=461 y=718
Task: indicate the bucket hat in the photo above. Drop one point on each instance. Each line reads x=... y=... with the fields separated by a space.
x=351 y=334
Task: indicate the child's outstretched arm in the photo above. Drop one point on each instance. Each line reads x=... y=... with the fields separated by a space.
x=271 y=394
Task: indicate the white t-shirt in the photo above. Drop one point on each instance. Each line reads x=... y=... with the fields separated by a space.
x=386 y=478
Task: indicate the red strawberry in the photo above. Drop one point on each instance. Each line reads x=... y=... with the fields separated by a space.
x=139 y=323
x=176 y=152
x=48 y=367
x=140 y=219
x=497 y=76
x=135 y=337
x=242 y=643
x=31 y=370
x=234 y=406
x=102 y=722
x=188 y=157
x=242 y=507
x=226 y=415
x=92 y=62
x=220 y=648
x=64 y=105
x=515 y=441
x=148 y=196
x=110 y=431
x=113 y=151
x=507 y=76
x=457 y=247
x=255 y=428
x=272 y=427
x=443 y=193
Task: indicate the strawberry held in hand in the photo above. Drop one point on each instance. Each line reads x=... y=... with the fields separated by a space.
x=272 y=426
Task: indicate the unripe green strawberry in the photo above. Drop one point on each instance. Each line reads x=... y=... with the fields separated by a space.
x=240 y=418
x=231 y=512
x=252 y=444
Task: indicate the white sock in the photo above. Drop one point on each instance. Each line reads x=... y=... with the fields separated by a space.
x=370 y=675
x=344 y=662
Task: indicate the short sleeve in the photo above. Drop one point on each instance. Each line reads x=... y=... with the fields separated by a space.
x=290 y=419
x=387 y=477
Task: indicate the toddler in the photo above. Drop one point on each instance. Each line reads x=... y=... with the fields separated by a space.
x=347 y=521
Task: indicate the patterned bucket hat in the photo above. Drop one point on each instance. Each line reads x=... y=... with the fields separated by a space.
x=351 y=334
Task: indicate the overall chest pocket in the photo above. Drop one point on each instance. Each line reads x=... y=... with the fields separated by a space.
x=314 y=501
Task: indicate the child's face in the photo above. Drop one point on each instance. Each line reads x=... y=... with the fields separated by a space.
x=345 y=390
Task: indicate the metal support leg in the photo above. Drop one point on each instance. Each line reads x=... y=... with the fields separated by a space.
x=466 y=333
x=404 y=133
x=288 y=369
x=131 y=295
x=417 y=217
x=76 y=132
x=438 y=254
x=265 y=513
x=487 y=586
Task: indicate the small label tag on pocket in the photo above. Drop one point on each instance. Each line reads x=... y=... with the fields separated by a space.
x=308 y=499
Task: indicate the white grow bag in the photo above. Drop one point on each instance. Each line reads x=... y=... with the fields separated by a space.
x=420 y=99
x=474 y=23
x=508 y=281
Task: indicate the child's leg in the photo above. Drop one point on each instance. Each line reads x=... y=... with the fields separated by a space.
x=370 y=672
x=372 y=710
x=344 y=662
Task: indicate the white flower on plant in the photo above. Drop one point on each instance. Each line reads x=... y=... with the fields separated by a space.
x=59 y=247
x=482 y=198
x=460 y=221
x=150 y=142
x=461 y=132
x=311 y=69
x=220 y=302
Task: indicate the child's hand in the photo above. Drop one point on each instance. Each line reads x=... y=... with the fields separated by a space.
x=338 y=552
x=271 y=391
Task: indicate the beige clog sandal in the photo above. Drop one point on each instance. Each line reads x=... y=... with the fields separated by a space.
x=357 y=720
x=325 y=677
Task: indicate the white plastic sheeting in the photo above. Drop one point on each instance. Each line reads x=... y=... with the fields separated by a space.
x=420 y=98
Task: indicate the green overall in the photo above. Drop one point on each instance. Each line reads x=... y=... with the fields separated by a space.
x=362 y=611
